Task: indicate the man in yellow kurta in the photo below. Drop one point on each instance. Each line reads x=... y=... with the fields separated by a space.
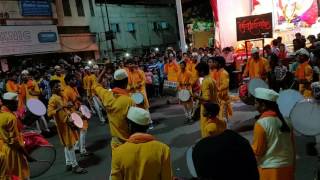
x=117 y=103
x=72 y=97
x=222 y=80
x=256 y=67
x=11 y=141
x=68 y=136
x=142 y=156
x=304 y=73
x=13 y=86
x=59 y=76
x=171 y=69
x=208 y=93
x=137 y=82
x=185 y=83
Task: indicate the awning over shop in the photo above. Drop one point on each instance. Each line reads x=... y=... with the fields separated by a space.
x=78 y=42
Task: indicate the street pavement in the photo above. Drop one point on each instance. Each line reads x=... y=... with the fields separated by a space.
x=172 y=131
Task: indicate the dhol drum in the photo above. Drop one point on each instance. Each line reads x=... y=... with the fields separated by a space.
x=85 y=111
x=76 y=121
x=305 y=117
x=184 y=95
x=41 y=150
x=256 y=83
x=137 y=98
x=287 y=100
x=246 y=91
x=316 y=90
x=170 y=88
x=35 y=109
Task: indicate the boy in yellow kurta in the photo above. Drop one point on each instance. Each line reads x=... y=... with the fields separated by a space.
x=185 y=83
x=68 y=136
x=304 y=73
x=11 y=141
x=222 y=81
x=137 y=83
x=117 y=103
x=208 y=93
x=72 y=97
x=142 y=156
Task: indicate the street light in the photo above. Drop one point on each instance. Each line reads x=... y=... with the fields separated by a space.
x=90 y=62
x=127 y=55
x=156 y=49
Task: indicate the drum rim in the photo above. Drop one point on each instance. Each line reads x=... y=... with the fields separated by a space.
x=86 y=112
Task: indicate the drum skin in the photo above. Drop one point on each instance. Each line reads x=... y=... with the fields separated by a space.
x=305 y=117
x=184 y=95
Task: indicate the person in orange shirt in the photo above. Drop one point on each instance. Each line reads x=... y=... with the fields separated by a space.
x=33 y=90
x=222 y=80
x=185 y=83
x=191 y=67
x=59 y=76
x=213 y=69
x=12 y=85
x=136 y=82
x=214 y=126
x=256 y=67
x=71 y=97
x=304 y=73
x=171 y=70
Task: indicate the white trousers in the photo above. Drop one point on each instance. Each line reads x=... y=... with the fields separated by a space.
x=81 y=144
x=98 y=109
x=70 y=156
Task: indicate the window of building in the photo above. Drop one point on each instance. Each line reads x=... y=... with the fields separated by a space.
x=91 y=8
x=80 y=9
x=131 y=27
x=115 y=27
x=66 y=8
x=164 y=25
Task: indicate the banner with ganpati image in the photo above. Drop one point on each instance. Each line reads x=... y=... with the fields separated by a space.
x=303 y=13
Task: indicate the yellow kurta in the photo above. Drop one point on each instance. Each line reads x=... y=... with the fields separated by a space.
x=137 y=78
x=61 y=79
x=117 y=104
x=222 y=82
x=144 y=160
x=172 y=71
x=257 y=68
x=71 y=94
x=92 y=79
x=32 y=86
x=17 y=164
x=3 y=164
x=85 y=83
x=68 y=137
x=208 y=94
x=305 y=72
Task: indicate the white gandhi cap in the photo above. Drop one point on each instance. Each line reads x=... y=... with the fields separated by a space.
x=266 y=94
x=303 y=51
x=120 y=74
x=139 y=116
x=10 y=96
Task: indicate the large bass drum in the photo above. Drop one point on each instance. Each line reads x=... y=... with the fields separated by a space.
x=246 y=91
x=305 y=117
x=287 y=100
x=41 y=150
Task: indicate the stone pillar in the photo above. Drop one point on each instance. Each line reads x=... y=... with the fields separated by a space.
x=183 y=44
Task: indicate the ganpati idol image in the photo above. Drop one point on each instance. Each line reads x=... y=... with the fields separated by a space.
x=297 y=11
